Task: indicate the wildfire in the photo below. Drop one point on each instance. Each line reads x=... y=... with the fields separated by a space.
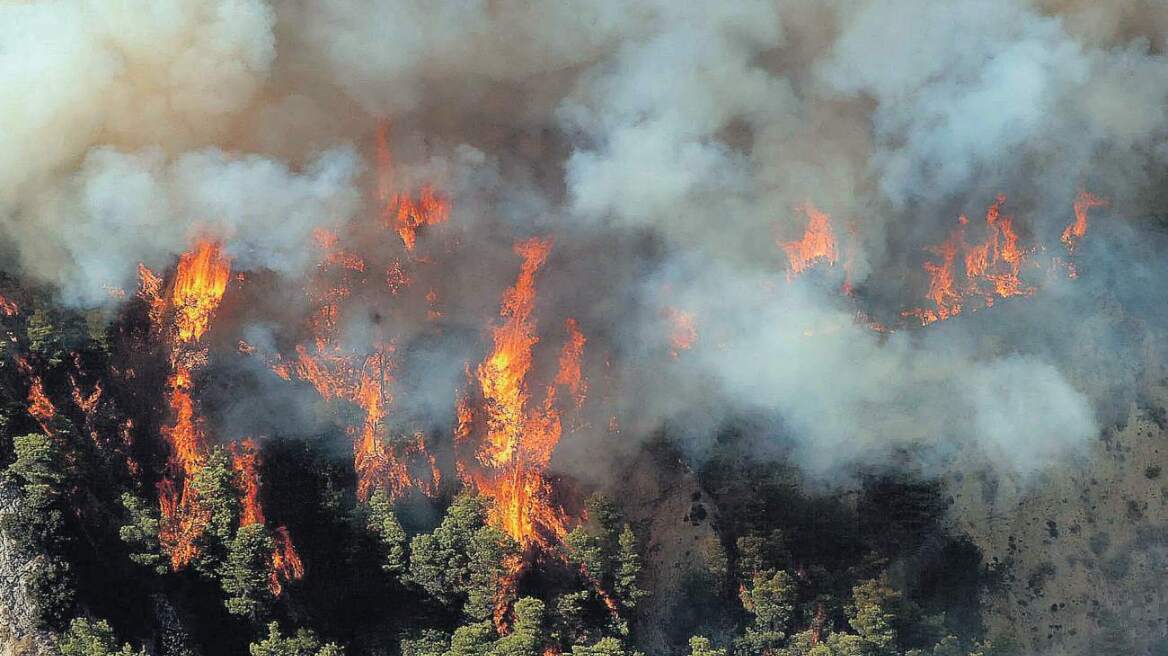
x=365 y=380
x=990 y=269
x=401 y=212
x=334 y=255
x=40 y=407
x=569 y=374
x=817 y=245
x=8 y=307
x=286 y=564
x=245 y=460
x=520 y=436
x=198 y=288
x=199 y=284
x=1075 y=231
x=429 y=209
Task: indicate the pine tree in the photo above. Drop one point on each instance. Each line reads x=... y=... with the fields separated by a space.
x=699 y=646
x=302 y=643
x=140 y=533
x=873 y=612
x=383 y=523
x=628 y=570
x=218 y=498
x=526 y=637
x=474 y=639
x=604 y=647
x=246 y=573
x=86 y=637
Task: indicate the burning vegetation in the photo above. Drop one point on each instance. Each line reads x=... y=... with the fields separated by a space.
x=518 y=330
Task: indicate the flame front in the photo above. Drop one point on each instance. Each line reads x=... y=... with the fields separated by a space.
x=198 y=288
x=990 y=269
x=519 y=436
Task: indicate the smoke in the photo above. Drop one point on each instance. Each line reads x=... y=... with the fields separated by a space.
x=667 y=148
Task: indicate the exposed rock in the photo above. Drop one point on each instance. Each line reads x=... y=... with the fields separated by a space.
x=18 y=633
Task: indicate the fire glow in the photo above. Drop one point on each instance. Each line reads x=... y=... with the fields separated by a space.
x=199 y=284
x=519 y=436
x=513 y=410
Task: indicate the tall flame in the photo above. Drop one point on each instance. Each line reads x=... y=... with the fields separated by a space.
x=519 y=435
x=1075 y=231
x=198 y=288
x=199 y=284
x=285 y=561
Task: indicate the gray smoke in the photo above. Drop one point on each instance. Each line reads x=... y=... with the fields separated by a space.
x=666 y=146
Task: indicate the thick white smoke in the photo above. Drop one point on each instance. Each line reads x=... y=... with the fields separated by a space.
x=665 y=144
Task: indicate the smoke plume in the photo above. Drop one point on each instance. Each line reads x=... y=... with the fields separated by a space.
x=668 y=150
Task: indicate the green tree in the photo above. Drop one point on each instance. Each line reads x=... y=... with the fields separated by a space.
x=52 y=334
x=761 y=553
x=302 y=643
x=463 y=560
x=948 y=646
x=770 y=597
x=848 y=644
x=86 y=637
x=36 y=524
x=218 y=497
x=628 y=569
x=427 y=642
x=384 y=523
x=593 y=545
x=247 y=571
x=38 y=471
x=474 y=639
x=700 y=646
x=569 y=617
x=491 y=553
x=440 y=561
x=526 y=637
x=140 y=533
x=604 y=647
x=873 y=613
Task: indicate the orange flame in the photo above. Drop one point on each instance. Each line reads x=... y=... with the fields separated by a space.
x=992 y=268
x=366 y=381
x=198 y=287
x=818 y=242
x=429 y=209
x=402 y=212
x=569 y=374
x=40 y=407
x=182 y=520
x=286 y=564
x=519 y=436
x=1075 y=231
x=245 y=460
x=8 y=308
